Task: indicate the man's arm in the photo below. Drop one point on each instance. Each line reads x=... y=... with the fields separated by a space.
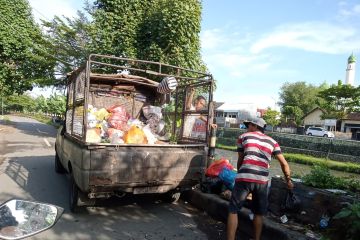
x=286 y=169
x=240 y=160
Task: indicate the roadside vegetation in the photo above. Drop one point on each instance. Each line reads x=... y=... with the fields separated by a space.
x=321 y=177
x=312 y=161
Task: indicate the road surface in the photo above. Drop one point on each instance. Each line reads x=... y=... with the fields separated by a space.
x=27 y=172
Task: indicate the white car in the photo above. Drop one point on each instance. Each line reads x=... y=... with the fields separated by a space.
x=318 y=131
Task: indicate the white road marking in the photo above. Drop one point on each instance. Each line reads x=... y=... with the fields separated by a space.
x=41 y=131
x=22 y=144
x=47 y=142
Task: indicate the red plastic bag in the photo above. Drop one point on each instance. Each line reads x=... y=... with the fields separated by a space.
x=217 y=166
x=118 y=118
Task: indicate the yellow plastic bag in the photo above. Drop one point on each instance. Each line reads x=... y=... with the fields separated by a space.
x=135 y=135
x=102 y=114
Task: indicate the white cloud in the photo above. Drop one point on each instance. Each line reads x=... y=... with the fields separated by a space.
x=211 y=39
x=311 y=36
x=46 y=9
x=349 y=12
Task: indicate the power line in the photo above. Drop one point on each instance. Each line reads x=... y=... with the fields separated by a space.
x=41 y=14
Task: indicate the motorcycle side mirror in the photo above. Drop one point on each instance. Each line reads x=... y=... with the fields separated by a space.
x=20 y=219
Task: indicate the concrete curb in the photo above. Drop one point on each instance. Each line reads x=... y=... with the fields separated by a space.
x=218 y=209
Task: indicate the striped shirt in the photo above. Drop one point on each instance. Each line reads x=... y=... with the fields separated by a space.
x=258 y=149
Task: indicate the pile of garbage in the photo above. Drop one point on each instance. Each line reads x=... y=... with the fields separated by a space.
x=114 y=125
x=220 y=178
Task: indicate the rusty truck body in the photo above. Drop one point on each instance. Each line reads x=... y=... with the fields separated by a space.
x=102 y=170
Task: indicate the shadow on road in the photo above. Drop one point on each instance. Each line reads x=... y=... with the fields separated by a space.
x=131 y=217
x=29 y=126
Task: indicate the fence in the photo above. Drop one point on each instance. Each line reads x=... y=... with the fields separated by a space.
x=335 y=149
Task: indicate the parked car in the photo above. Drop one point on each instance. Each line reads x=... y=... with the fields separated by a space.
x=318 y=131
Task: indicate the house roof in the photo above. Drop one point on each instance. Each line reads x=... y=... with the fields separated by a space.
x=237 y=107
x=352 y=116
x=218 y=104
x=317 y=108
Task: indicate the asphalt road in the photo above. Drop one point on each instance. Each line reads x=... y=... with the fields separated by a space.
x=27 y=172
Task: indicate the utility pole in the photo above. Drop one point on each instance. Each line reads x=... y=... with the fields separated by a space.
x=2 y=106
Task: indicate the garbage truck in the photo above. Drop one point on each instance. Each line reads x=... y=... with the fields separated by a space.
x=124 y=129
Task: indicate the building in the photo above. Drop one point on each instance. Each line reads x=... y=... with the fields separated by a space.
x=233 y=114
x=351 y=123
x=350 y=70
x=313 y=118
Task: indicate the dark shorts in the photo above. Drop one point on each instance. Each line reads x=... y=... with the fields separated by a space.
x=259 y=197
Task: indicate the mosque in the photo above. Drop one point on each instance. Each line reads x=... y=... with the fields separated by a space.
x=350 y=70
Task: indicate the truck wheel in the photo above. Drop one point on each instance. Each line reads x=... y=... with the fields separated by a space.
x=58 y=167
x=325 y=135
x=73 y=195
x=171 y=197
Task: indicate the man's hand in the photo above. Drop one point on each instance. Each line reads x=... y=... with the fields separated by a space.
x=290 y=185
x=213 y=125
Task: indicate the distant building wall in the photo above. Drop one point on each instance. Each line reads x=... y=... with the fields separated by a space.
x=314 y=118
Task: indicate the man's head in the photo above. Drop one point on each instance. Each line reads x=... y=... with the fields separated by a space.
x=255 y=124
x=200 y=103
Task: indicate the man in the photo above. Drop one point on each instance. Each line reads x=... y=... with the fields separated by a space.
x=199 y=104
x=255 y=150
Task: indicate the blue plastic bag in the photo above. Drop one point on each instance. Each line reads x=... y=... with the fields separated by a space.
x=228 y=177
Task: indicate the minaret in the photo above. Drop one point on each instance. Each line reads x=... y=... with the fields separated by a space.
x=350 y=70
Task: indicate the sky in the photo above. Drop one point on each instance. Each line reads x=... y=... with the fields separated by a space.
x=253 y=47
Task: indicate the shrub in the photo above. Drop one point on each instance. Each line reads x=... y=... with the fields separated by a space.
x=320 y=177
x=322 y=144
x=350 y=218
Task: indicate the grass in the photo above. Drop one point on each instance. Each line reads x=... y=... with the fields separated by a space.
x=225 y=147
x=331 y=164
x=310 y=160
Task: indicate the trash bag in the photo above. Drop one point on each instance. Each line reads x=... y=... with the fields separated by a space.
x=217 y=166
x=118 y=118
x=93 y=135
x=292 y=203
x=228 y=177
x=135 y=135
x=212 y=185
x=101 y=114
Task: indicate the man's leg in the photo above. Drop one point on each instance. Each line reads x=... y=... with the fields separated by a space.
x=232 y=224
x=238 y=197
x=258 y=222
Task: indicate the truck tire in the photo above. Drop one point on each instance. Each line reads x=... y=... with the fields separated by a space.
x=58 y=166
x=73 y=195
x=171 y=197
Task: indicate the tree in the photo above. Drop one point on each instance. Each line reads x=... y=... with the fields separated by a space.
x=300 y=96
x=157 y=30
x=41 y=104
x=22 y=103
x=69 y=40
x=293 y=112
x=272 y=117
x=23 y=57
x=340 y=100
x=170 y=33
x=57 y=104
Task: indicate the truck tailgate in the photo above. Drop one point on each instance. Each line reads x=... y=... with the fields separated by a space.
x=131 y=166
